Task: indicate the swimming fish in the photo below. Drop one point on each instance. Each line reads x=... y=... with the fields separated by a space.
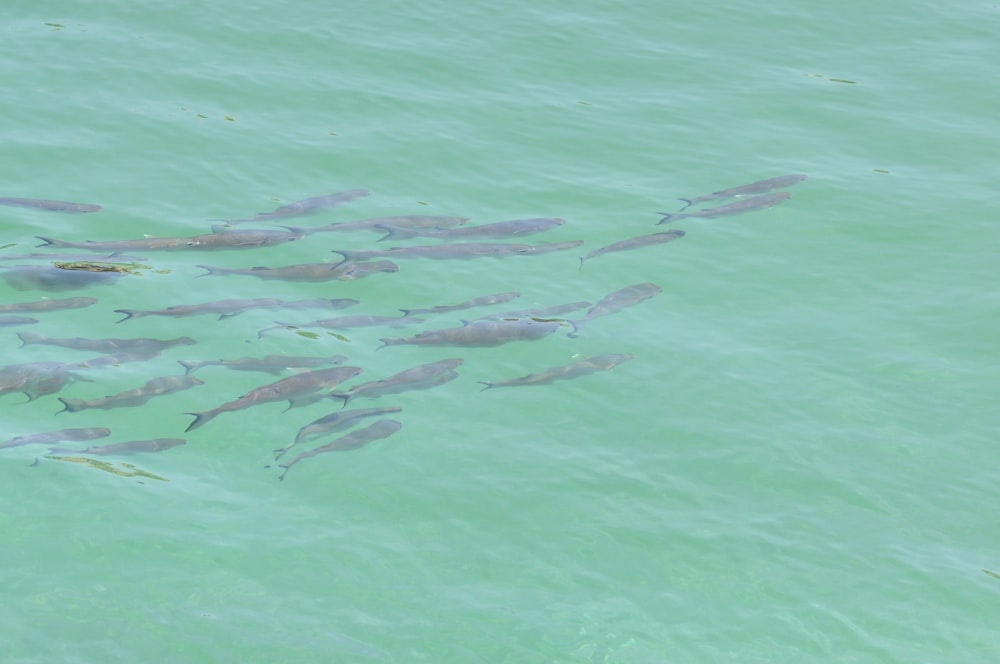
x=635 y=243
x=232 y=239
x=335 y=421
x=482 y=300
x=282 y=390
x=408 y=221
x=233 y=307
x=48 y=305
x=351 y=441
x=141 y=344
x=36 y=379
x=16 y=320
x=51 y=206
x=512 y=228
x=54 y=279
x=272 y=364
x=482 y=332
x=616 y=301
x=304 y=207
x=134 y=397
x=759 y=187
x=420 y=377
x=741 y=206
x=342 y=271
x=49 y=437
x=343 y=323
x=458 y=250
x=573 y=370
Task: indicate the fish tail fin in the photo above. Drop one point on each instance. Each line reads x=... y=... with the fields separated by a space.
x=129 y=313
x=395 y=232
x=576 y=329
x=188 y=365
x=345 y=253
x=688 y=201
x=200 y=419
x=387 y=342
x=667 y=218
x=49 y=241
x=29 y=338
x=70 y=405
x=486 y=383
x=281 y=477
x=582 y=258
x=210 y=270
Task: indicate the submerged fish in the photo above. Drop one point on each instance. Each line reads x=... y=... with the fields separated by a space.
x=458 y=250
x=635 y=243
x=333 y=422
x=352 y=441
x=52 y=206
x=131 y=447
x=50 y=437
x=16 y=320
x=272 y=364
x=513 y=228
x=554 y=311
x=482 y=332
x=343 y=323
x=54 y=279
x=134 y=397
x=36 y=379
x=139 y=345
x=759 y=187
x=233 y=239
x=482 y=300
x=586 y=366
x=420 y=377
x=342 y=271
x=304 y=207
x=229 y=308
x=48 y=305
x=410 y=221
x=617 y=301
x=739 y=207
x=282 y=390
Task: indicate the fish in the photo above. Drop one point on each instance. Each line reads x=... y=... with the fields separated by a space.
x=117 y=359
x=36 y=379
x=616 y=301
x=352 y=441
x=482 y=300
x=51 y=206
x=635 y=243
x=409 y=221
x=741 y=206
x=759 y=187
x=232 y=239
x=131 y=447
x=272 y=364
x=49 y=437
x=342 y=271
x=512 y=228
x=583 y=367
x=459 y=250
x=420 y=377
x=134 y=397
x=282 y=390
x=48 y=305
x=335 y=421
x=554 y=311
x=54 y=279
x=141 y=344
x=16 y=320
x=233 y=307
x=482 y=333
x=343 y=323
x=304 y=207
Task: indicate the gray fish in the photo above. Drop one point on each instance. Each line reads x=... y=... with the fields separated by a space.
x=54 y=279
x=351 y=441
x=566 y=371
x=131 y=447
x=342 y=271
x=51 y=206
x=617 y=301
x=635 y=243
x=759 y=187
x=321 y=303
x=229 y=308
x=134 y=397
x=106 y=345
x=282 y=390
x=458 y=250
x=482 y=332
x=233 y=239
x=36 y=379
x=16 y=320
x=344 y=323
x=272 y=364
x=50 y=437
x=513 y=228
x=544 y=312
x=117 y=359
x=304 y=207
x=420 y=377
x=48 y=305
x=410 y=221
x=748 y=204
x=333 y=422
x=482 y=300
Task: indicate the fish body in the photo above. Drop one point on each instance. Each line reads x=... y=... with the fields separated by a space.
x=554 y=311
x=336 y=421
x=635 y=243
x=50 y=437
x=36 y=379
x=344 y=323
x=564 y=372
x=51 y=206
x=420 y=377
x=313 y=272
x=759 y=187
x=55 y=279
x=138 y=345
x=224 y=308
x=617 y=301
x=458 y=250
x=409 y=221
x=482 y=333
x=304 y=207
x=16 y=320
x=272 y=364
x=741 y=206
x=133 y=397
x=500 y=229
x=282 y=390
x=48 y=305
x=483 y=300
x=131 y=447
x=352 y=441
x=232 y=239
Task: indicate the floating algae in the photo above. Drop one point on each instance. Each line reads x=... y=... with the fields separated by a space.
x=122 y=469
x=95 y=266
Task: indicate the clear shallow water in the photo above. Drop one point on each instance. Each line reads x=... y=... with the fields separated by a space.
x=796 y=465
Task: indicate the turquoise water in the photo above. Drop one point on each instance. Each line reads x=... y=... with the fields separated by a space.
x=796 y=466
